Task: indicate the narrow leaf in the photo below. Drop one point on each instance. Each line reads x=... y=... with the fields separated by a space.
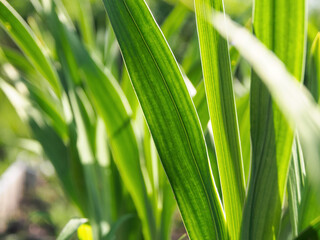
x=280 y=25
x=313 y=80
x=293 y=99
x=221 y=102
x=20 y=32
x=114 y=109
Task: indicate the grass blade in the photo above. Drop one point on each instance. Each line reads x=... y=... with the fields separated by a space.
x=26 y=40
x=114 y=109
x=295 y=185
x=221 y=102
x=313 y=81
x=243 y=111
x=309 y=208
x=280 y=25
x=170 y=115
x=293 y=99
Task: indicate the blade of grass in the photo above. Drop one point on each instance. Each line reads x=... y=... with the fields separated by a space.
x=52 y=145
x=280 y=25
x=19 y=31
x=170 y=115
x=293 y=99
x=88 y=161
x=200 y=102
x=18 y=60
x=309 y=208
x=295 y=185
x=115 y=111
x=313 y=80
x=174 y=21
x=243 y=111
x=221 y=102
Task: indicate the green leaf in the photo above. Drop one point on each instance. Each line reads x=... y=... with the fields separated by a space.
x=114 y=228
x=18 y=60
x=293 y=99
x=114 y=109
x=313 y=80
x=200 y=102
x=70 y=228
x=309 y=208
x=295 y=185
x=170 y=115
x=221 y=102
x=243 y=111
x=61 y=155
x=280 y=25
x=50 y=108
x=174 y=21
x=20 y=32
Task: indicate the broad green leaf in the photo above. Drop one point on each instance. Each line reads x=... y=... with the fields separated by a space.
x=170 y=115
x=280 y=25
x=162 y=195
x=70 y=228
x=20 y=32
x=221 y=102
x=313 y=80
x=169 y=28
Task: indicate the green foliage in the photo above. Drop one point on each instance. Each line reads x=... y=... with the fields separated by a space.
x=237 y=151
